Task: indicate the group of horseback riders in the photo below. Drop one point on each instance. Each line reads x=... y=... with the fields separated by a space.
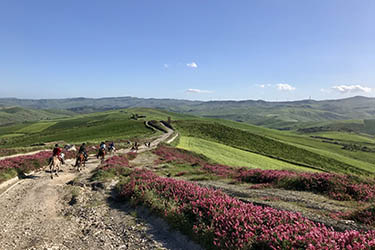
x=82 y=155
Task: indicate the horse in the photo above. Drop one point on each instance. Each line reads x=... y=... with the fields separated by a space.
x=55 y=166
x=81 y=161
x=111 y=150
x=135 y=147
x=101 y=154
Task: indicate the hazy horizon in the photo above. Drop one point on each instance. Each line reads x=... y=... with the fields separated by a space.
x=181 y=99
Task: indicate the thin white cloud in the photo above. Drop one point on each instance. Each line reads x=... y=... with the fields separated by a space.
x=192 y=65
x=285 y=87
x=198 y=91
x=351 y=88
x=263 y=85
x=166 y=66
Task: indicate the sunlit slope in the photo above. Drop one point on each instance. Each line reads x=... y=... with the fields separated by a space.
x=12 y=115
x=92 y=127
x=359 y=159
x=256 y=143
x=230 y=156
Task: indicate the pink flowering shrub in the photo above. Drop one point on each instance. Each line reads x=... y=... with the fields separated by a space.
x=10 y=167
x=220 y=170
x=168 y=154
x=260 y=186
x=365 y=216
x=222 y=222
x=116 y=161
x=131 y=155
x=180 y=173
x=339 y=187
x=114 y=166
x=13 y=151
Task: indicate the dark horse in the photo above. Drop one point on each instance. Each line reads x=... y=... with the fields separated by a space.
x=81 y=161
x=101 y=154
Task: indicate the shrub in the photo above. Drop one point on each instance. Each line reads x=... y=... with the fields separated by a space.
x=222 y=222
x=365 y=216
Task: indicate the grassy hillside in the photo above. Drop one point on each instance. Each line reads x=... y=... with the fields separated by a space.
x=230 y=156
x=256 y=143
x=357 y=158
x=11 y=115
x=239 y=141
x=93 y=127
x=280 y=115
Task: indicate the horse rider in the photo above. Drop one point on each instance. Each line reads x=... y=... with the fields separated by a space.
x=57 y=151
x=102 y=149
x=82 y=150
x=111 y=146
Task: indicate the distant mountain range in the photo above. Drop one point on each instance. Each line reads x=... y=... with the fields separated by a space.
x=269 y=114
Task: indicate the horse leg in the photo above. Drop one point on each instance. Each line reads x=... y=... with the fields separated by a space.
x=79 y=165
x=51 y=170
x=57 y=169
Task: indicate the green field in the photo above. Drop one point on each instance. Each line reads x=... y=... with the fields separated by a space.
x=10 y=135
x=359 y=159
x=346 y=137
x=237 y=142
x=36 y=127
x=232 y=156
x=111 y=125
x=257 y=143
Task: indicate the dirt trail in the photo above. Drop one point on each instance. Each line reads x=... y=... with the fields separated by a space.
x=43 y=213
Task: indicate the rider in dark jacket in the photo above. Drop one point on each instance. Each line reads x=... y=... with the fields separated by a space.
x=82 y=149
x=102 y=149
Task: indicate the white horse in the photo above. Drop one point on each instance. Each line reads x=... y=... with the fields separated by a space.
x=55 y=166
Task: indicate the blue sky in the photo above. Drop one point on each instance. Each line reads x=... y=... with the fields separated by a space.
x=197 y=49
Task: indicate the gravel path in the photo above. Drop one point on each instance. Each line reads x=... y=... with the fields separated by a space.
x=70 y=212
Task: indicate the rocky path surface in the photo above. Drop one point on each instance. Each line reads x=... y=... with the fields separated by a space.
x=73 y=212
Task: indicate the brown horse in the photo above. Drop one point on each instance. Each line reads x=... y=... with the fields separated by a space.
x=101 y=154
x=55 y=166
x=135 y=147
x=81 y=161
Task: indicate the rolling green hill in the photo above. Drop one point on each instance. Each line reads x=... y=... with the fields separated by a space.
x=280 y=115
x=279 y=145
x=240 y=144
x=231 y=156
x=9 y=115
x=288 y=115
x=94 y=127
